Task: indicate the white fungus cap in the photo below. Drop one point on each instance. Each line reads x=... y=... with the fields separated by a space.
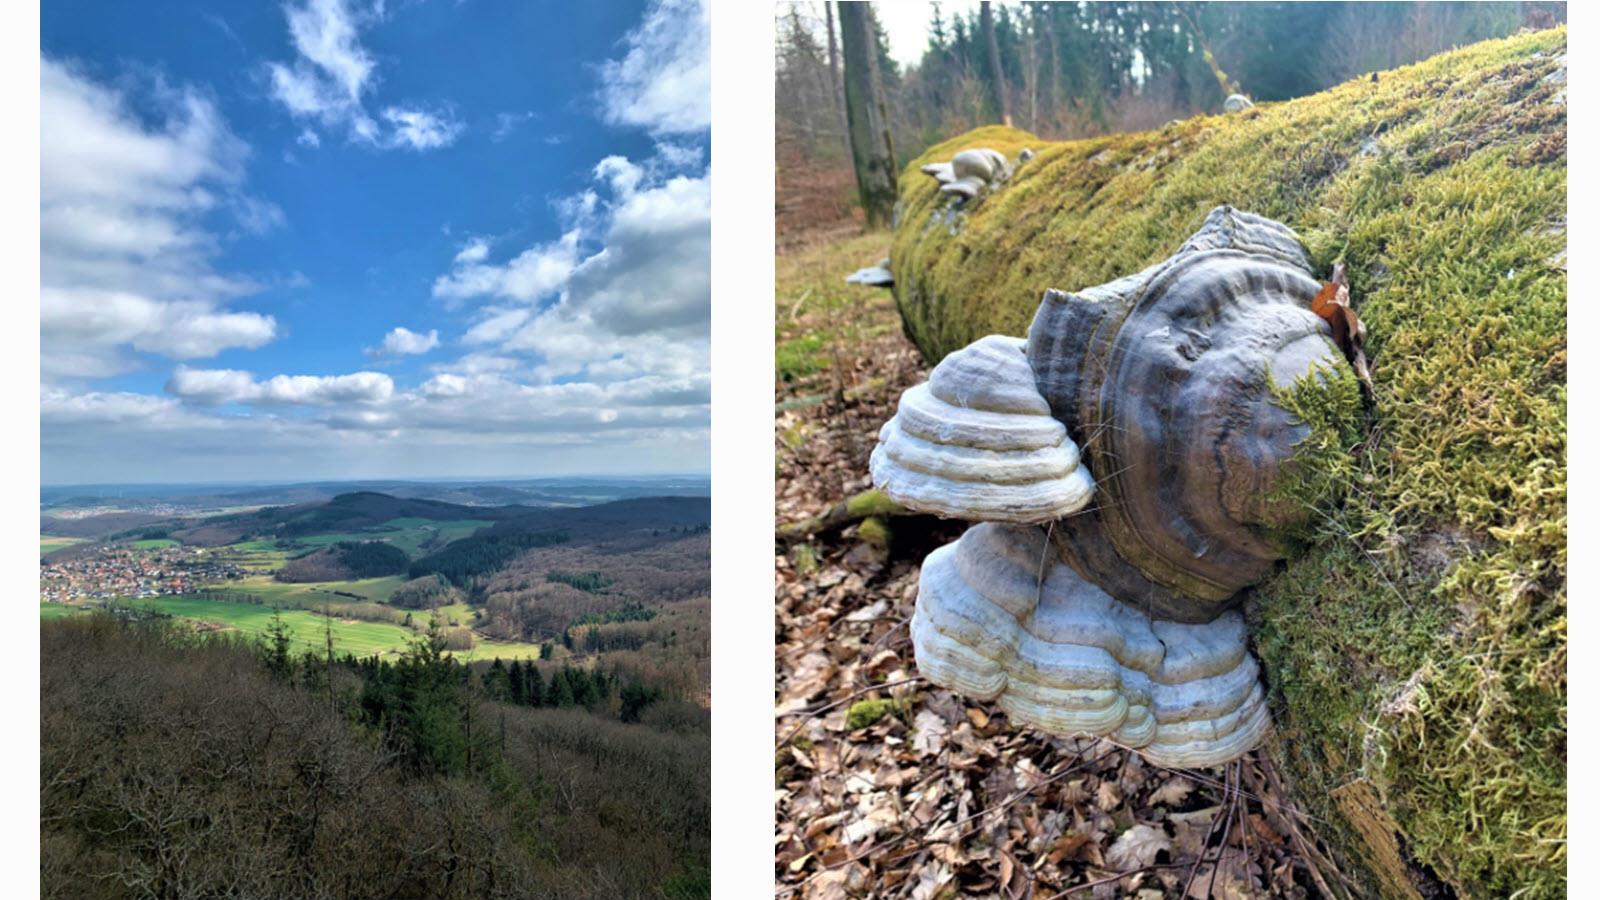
x=998 y=618
x=977 y=442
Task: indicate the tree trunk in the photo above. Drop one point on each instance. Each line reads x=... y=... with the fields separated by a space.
x=1440 y=580
x=997 y=78
x=867 y=127
x=1054 y=80
x=837 y=96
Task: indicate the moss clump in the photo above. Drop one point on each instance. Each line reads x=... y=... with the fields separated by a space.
x=1328 y=402
x=872 y=503
x=864 y=713
x=875 y=531
x=1416 y=652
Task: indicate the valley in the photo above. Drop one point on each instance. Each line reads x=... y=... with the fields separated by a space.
x=565 y=584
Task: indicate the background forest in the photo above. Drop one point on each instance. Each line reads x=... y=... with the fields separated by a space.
x=1068 y=70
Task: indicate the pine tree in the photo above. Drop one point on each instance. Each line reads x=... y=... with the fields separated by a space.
x=275 y=647
x=536 y=689
x=537 y=694
x=560 y=690
x=518 y=683
x=496 y=682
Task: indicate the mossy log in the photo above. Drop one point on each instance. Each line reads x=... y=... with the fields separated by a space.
x=1416 y=649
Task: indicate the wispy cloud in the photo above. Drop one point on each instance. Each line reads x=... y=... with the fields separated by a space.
x=328 y=81
x=663 y=82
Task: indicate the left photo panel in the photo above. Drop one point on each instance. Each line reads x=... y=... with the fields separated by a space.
x=375 y=505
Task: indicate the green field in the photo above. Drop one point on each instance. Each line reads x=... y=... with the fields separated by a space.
x=50 y=544
x=153 y=544
x=378 y=590
x=305 y=627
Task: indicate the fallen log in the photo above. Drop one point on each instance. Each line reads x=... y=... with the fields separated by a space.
x=1415 y=649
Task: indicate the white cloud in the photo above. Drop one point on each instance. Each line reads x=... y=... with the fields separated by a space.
x=218 y=386
x=506 y=123
x=533 y=274
x=475 y=251
x=308 y=138
x=125 y=247
x=404 y=341
x=332 y=73
x=419 y=130
x=663 y=82
x=625 y=293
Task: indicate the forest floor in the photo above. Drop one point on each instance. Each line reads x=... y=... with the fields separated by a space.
x=889 y=787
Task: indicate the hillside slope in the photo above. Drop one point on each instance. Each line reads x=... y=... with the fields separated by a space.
x=1416 y=654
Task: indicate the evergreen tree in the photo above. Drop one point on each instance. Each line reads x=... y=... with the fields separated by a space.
x=518 y=683
x=496 y=682
x=275 y=648
x=536 y=689
x=560 y=690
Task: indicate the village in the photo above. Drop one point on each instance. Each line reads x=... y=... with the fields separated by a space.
x=119 y=572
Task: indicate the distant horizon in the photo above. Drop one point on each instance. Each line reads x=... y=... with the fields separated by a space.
x=421 y=479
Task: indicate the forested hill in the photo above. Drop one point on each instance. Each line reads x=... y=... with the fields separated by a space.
x=357 y=511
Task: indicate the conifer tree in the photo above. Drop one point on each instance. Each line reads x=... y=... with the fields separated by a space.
x=536 y=689
x=519 y=683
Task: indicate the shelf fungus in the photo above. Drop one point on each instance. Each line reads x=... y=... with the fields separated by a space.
x=977 y=441
x=1118 y=618
x=972 y=172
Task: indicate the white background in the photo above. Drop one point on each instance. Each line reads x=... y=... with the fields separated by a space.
x=742 y=462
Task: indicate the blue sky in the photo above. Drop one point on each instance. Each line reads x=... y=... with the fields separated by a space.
x=346 y=238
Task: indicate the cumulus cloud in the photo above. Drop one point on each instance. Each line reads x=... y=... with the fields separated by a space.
x=328 y=80
x=532 y=274
x=217 y=386
x=663 y=81
x=403 y=341
x=585 y=351
x=125 y=218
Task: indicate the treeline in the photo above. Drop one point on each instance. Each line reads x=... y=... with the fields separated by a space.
x=346 y=561
x=629 y=612
x=425 y=592
x=347 y=778
x=593 y=689
x=590 y=582
x=461 y=561
x=1063 y=70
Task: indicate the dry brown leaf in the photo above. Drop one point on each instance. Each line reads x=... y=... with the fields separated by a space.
x=1108 y=796
x=930 y=730
x=1137 y=847
x=1172 y=792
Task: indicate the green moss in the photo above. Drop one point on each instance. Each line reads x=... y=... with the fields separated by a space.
x=801 y=356
x=1328 y=402
x=872 y=503
x=874 y=530
x=804 y=558
x=867 y=712
x=1418 y=645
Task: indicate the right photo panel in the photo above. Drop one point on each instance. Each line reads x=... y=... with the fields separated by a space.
x=1170 y=436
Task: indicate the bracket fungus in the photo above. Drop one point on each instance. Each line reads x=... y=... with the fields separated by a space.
x=1118 y=619
x=974 y=171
